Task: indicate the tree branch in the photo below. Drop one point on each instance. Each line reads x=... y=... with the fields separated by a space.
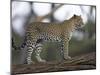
x=83 y=62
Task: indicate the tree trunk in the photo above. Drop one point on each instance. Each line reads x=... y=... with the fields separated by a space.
x=82 y=62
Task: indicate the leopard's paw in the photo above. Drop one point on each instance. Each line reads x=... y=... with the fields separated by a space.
x=67 y=57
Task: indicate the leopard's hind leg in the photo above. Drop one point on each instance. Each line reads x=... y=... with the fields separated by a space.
x=39 y=46
x=30 y=48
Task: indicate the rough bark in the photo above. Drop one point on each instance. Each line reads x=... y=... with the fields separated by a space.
x=82 y=62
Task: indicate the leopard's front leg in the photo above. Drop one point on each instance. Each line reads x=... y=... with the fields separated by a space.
x=65 y=50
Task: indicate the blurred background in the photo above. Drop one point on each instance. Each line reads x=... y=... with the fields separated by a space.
x=83 y=40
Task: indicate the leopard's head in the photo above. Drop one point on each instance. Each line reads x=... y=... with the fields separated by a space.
x=78 y=21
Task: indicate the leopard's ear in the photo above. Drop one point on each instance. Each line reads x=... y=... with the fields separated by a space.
x=74 y=15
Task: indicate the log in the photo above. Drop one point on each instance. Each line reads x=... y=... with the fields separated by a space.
x=82 y=62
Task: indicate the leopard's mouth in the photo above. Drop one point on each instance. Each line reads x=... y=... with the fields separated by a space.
x=81 y=25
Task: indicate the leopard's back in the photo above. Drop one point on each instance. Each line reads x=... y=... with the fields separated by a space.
x=41 y=30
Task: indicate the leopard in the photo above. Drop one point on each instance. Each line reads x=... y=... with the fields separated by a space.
x=39 y=32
